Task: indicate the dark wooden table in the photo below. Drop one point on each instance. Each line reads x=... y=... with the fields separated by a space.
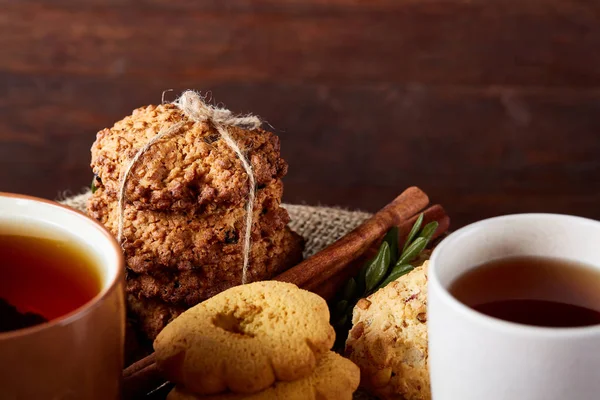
x=492 y=107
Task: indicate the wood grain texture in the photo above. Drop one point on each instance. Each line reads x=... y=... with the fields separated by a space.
x=442 y=42
x=491 y=107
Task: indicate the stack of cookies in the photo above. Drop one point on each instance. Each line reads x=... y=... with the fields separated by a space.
x=265 y=340
x=185 y=209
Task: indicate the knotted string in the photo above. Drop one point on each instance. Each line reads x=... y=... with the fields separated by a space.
x=195 y=109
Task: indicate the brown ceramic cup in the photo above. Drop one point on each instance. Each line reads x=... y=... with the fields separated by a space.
x=79 y=355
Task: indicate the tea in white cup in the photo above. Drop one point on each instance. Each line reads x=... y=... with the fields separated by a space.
x=475 y=351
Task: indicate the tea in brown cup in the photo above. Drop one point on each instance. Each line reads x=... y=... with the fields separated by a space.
x=62 y=311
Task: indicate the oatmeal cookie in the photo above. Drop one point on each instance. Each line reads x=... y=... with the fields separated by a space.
x=269 y=257
x=150 y=316
x=193 y=170
x=159 y=241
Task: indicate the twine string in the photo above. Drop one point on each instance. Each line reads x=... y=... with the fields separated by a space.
x=194 y=108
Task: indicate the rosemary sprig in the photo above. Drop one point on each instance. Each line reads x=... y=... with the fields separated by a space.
x=93 y=186
x=389 y=264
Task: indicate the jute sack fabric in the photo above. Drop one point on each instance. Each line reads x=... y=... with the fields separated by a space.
x=319 y=226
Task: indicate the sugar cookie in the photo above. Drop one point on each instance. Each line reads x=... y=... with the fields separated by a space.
x=334 y=378
x=246 y=338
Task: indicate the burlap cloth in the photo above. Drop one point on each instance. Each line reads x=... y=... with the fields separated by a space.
x=320 y=226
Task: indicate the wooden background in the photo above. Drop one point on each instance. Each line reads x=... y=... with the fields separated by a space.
x=491 y=106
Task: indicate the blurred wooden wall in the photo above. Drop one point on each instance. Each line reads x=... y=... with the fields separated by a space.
x=492 y=106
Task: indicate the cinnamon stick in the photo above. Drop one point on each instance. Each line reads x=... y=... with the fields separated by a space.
x=138 y=366
x=331 y=286
x=142 y=376
x=143 y=380
x=311 y=273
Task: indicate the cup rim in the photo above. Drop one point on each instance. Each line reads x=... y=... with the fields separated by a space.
x=98 y=298
x=496 y=323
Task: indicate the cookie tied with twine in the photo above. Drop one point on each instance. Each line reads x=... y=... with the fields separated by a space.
x=195 y=109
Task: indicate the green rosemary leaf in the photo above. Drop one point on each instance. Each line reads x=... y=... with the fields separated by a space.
x=350 y=289
x=342 y=321
x=350 y=310
x=341 y=306
x=378 y=267
x=429 y=230
x=93 y=187
x=402 y=269
x=413 y=251
x=413 y=232
x=391 y=237
x=397 y=272
x=360 y=280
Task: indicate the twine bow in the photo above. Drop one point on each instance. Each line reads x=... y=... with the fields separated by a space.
x=194 y=108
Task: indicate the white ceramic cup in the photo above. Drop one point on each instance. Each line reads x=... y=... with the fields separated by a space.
x=476 y=357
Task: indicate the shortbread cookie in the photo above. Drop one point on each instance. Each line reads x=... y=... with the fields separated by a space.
x=389 y=339
x=246 y=338
x=334 y=378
